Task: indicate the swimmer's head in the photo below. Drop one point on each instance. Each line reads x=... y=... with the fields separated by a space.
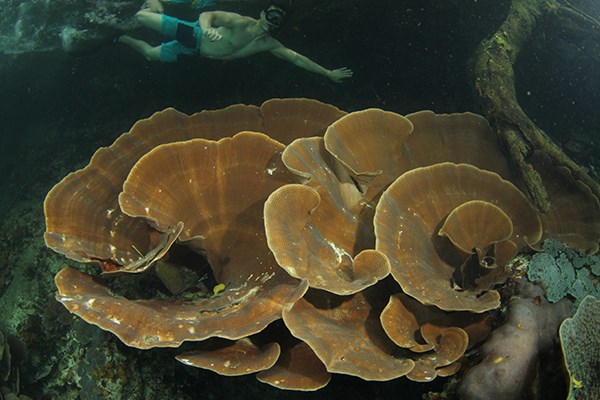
x=274 y=15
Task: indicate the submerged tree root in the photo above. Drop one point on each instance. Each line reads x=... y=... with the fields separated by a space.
x=492 y=76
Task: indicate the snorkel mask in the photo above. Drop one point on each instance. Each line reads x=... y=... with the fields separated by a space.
x=274 y=17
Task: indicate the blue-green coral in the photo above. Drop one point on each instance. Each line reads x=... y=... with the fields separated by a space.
x=580 y=340
x=565 y=271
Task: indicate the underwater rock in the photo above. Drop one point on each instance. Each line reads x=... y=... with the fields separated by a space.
x=72 y=25
x=512 y=352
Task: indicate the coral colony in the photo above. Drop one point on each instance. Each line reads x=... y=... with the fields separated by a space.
x=368 y=243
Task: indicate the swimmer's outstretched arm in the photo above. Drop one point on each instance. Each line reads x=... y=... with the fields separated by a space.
x=336 y=75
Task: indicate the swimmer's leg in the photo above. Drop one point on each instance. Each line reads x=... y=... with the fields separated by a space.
x=151 y=53
x=149 y=20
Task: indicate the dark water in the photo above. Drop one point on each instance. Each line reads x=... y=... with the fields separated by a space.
x=57 y=109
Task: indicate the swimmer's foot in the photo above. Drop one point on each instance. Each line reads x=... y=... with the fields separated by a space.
x=154 y=6
x=117 y=36
x=96 y=42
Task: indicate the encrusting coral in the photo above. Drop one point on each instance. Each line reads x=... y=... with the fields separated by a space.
x=565 y=271
x=367 y=244
x=580 y=341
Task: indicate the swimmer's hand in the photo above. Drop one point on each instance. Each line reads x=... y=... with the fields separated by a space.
x=337 y=75
x=213 y=35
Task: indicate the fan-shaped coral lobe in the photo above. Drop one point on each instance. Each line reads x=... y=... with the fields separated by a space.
x=298 y=368
x=217 y=189
x=144 y=324
x=233 y=358
x=322 y=231
x=207 y=185
x=289 y=119
x=346 y=334
x=438 y=339
x=367 y=143
x=83 y=219
x=476 y=224
x=459 y=138
x=409 y=216
x=327 y=245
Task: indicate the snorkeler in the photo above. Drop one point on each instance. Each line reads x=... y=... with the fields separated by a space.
x=222 y=36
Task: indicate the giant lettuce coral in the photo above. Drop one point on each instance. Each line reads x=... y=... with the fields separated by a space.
x=368 y=243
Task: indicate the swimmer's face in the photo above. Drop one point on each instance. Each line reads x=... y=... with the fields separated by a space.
x=273 y=17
